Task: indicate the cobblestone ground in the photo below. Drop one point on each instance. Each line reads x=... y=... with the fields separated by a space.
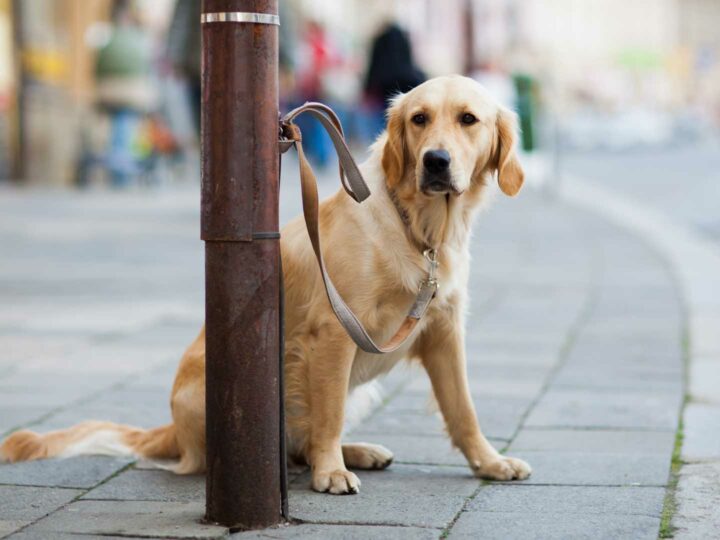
x=575 y=355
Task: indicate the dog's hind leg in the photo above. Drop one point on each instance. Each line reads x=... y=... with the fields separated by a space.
x=366 y=456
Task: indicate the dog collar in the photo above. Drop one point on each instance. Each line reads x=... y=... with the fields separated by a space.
x=423 y=248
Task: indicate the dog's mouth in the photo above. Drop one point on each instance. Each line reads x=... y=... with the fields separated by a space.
x=438 y=184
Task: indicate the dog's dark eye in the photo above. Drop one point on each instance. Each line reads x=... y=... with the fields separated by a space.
x=468 y=119
x=419 y=119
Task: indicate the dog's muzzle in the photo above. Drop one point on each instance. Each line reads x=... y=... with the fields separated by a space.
x=436 y=176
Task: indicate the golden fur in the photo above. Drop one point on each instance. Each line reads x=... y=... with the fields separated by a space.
x=373 y=252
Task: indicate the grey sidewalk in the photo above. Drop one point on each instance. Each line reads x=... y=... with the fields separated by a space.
x=575 y=360
x=695 y=501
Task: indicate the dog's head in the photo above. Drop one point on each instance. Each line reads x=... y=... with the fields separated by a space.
x=445 y=136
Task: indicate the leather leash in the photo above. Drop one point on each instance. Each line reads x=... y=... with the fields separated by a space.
x=356 y=187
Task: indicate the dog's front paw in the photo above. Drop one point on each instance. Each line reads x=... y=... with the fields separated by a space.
x=502 y=468
x=337 y=482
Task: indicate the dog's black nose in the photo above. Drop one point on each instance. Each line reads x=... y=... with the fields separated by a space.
x=436 y=161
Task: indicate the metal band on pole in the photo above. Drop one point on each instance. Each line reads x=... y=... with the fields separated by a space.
x=240 y=17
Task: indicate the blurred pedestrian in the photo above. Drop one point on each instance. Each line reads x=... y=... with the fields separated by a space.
x=317 y=56
x=392 y=68
x=183 y=49
x=287 y=53
x=125 y=89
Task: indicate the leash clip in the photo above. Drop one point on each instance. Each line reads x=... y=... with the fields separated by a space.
x=431 y=255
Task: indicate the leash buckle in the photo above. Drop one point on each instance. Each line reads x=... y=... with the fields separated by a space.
x=288 y=135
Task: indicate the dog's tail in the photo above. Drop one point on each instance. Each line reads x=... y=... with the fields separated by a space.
x=98 y=438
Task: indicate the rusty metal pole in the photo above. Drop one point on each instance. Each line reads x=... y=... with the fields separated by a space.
x=240 y=181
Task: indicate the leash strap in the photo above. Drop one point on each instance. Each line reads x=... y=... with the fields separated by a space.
x=356 y=187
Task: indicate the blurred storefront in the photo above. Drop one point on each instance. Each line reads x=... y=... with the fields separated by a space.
x=8 y=93
x=55 y=82
x=47 y=84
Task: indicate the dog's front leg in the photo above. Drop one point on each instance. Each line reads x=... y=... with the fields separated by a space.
x=329 y=376
x=442 y=352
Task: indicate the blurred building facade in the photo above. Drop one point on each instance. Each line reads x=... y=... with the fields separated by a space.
x=607 y=53
x=651 y=50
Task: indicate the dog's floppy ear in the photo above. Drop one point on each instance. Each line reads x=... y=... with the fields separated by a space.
x=510 y=173
x=393 y=156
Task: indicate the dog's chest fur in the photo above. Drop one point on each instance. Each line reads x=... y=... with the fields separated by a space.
x=451 y=295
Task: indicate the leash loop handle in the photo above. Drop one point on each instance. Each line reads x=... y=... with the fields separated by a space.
x=350 y=175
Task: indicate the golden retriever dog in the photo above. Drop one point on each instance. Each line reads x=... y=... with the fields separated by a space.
x=429 y=174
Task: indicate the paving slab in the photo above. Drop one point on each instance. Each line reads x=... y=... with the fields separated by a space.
x=618 y=376
x=15 y=416
x=48 y=398
x=704 y=334
x=35 y=378
x=621 y=331
x=494 y=381
x=500 y=418
x=479 y=334
x=522 y=497
x=582 y=468
x=403 y=423
x=21 y=505
x=150 y=408
x=27 y=503
x=79 y=472
x=701 y=426
x=150 y=485
x=595 y=441
x=697 y=516
x=9 y=526
x=47 y=535
x=27 y=348
x=601 y=351
x=553 y=526
x=705 y=379
x=511 y=355
x=628 y=325
x=624 y=302
x=409 y=495
x=342 y=532
x=488 y=385
x=420 y=402
x=149 y=519
x=607 y=409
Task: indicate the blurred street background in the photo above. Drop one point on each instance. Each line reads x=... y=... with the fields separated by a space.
x=106 y=93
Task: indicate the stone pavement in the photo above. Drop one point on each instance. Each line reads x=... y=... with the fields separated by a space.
x=694 y=499
x=575 y=352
